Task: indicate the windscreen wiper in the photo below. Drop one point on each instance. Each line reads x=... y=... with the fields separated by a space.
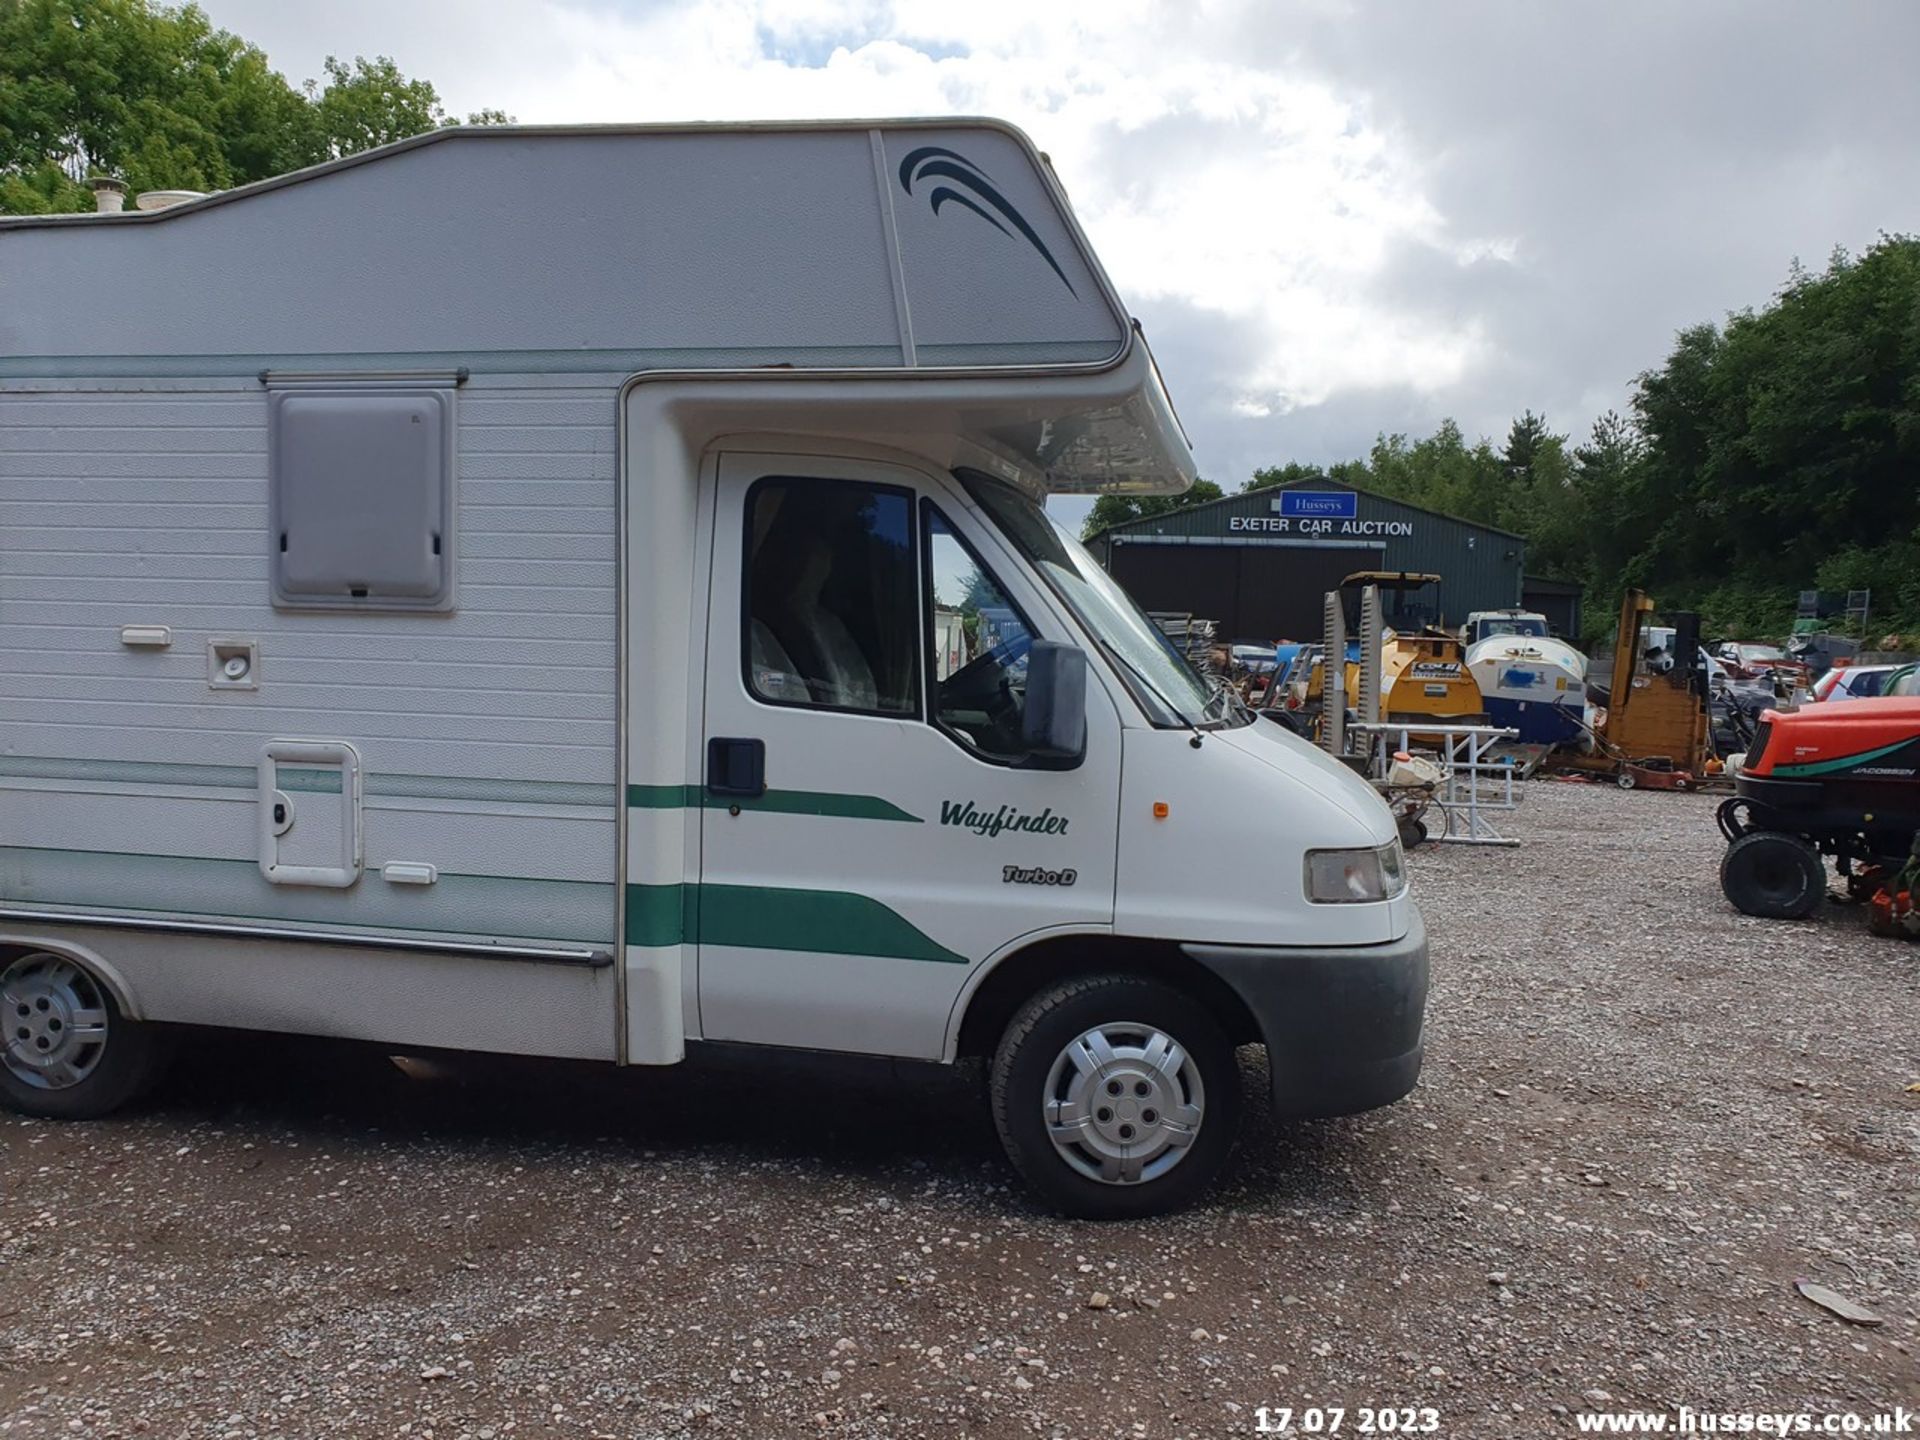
x=1226 y=693
x=1154 y=690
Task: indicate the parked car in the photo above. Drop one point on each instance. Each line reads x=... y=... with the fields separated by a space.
x=1752 y=660
x=1854 y=682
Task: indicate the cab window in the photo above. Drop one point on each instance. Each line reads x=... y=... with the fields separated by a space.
x=977 y=647
x=831 y=601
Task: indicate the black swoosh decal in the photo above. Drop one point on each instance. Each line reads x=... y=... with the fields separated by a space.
x=942 y=194
x=927 y=152
x=936 y=160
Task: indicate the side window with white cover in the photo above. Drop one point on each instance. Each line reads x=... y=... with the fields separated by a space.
x=978 y=644
x=360 y=496
x=831 y=606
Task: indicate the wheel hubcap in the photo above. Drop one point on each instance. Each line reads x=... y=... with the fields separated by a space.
x=1124 y=1103
x=55 y=1022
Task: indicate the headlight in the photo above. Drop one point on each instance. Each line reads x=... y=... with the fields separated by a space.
x=1353 y=877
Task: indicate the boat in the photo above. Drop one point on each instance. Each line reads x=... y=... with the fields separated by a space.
x=1529 y=681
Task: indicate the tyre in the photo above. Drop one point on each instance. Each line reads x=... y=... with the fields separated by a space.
x=66 y=1052
x=1115 y=1096
x=1773 y=875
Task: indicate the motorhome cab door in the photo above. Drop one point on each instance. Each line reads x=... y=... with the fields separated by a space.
x=871 y=830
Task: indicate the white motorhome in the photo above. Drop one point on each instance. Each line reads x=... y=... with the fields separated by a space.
x=484 y=593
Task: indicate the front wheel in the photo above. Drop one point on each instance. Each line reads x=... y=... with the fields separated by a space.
x=1773 y=875
x=1115 y=1096
x=66 y=1051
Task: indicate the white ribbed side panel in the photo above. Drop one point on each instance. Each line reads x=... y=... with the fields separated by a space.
x=488 y=736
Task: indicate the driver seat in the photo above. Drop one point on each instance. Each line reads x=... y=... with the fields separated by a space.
x=836 y=669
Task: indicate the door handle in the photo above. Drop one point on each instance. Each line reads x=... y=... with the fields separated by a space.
x=736 y=766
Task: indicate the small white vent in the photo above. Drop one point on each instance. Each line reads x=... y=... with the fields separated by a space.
x=163 y=199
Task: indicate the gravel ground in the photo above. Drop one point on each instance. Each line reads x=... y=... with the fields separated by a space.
x=1643 y=1116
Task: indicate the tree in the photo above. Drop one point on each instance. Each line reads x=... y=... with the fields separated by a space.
x=1527 y=439
x=1790 y=438
x=109 y=84
x=1111 y=510
x=1442 y=472
x=1539 y=499
x=370 y=103
x=1291 y=473
x=159 y=97
x=1777 y=452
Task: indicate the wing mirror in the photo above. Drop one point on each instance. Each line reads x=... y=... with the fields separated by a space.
x=1054 y=725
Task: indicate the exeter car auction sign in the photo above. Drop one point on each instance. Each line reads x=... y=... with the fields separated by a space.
x=1318 y=513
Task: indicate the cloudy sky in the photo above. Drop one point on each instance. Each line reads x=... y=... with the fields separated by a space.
x=1334 y=217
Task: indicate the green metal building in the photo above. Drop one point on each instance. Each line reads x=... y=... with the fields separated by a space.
x=1259 y=563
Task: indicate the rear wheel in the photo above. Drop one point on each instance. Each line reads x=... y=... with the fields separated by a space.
x=66 y=1051
x=1773 y=875
x=1116 y=1096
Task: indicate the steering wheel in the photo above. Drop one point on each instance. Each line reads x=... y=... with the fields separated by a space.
x=980 y=680
x=983 y=684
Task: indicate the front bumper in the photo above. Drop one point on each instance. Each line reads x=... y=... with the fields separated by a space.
x=1342 y=1025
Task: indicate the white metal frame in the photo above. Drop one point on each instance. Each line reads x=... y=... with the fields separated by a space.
x=1476 y=783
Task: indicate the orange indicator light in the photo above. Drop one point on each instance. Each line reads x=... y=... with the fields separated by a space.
x=1160 y=810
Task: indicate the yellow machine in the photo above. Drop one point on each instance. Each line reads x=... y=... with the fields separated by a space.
x=1424 y=676
x=1423 y=673
x=1655 y=730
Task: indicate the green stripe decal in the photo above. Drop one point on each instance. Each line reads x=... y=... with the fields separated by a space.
x=762 y=917
x=135 y=772
x=310 y=782
x=206 y=887
x=662 y=914
x=376 y=784
x=1845 y=762
x=773 y=802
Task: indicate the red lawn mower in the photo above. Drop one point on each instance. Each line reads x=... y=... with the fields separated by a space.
x=1838 y=780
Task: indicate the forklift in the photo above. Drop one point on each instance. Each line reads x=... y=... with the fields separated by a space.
x=1654 y=732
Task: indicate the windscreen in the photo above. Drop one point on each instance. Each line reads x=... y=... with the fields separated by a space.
x=1166 y=686
x=1512 y=625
